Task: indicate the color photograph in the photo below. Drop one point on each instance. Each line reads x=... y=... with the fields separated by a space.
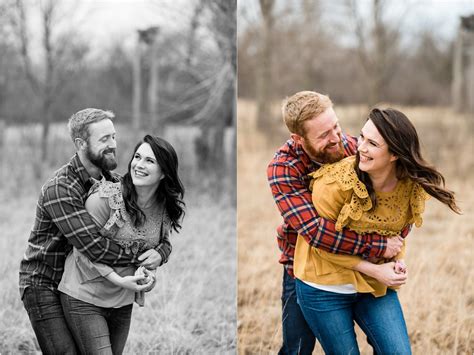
x=372 y=252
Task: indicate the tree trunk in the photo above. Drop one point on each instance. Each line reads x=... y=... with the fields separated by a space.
x=137 y=86
x=264 y=76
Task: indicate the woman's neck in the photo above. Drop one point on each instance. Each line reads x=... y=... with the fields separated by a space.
x=384 y=181
x=145 y=196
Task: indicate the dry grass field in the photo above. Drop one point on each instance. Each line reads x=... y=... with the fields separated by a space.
x=192 y=310
x=438 y=300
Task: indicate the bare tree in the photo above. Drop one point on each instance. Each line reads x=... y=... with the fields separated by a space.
x=264 y=69
x=377 y=47
x=61 y=58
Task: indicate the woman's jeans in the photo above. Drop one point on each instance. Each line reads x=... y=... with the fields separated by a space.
x=97 y=330
x=47 y=318
x=331 y=317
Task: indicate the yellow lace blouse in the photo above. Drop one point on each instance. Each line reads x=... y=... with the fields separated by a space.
x=340 y=196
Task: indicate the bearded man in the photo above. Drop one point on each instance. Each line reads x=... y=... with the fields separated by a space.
x=315 y=138
x=62 y=222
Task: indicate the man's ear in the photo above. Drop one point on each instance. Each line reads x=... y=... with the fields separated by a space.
x=297 y=138
x=80 y=144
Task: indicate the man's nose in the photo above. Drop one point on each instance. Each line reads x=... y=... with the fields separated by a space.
x=112 y=143
x=335 y=136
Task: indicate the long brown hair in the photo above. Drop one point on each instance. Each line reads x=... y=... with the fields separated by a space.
x=402 y=140
x=170 y=190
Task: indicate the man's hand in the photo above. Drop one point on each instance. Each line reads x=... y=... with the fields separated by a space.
x=150 y=259
x=394 y=246
x=400 y=267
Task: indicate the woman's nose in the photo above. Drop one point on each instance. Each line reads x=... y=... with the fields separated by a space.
x=361 y=146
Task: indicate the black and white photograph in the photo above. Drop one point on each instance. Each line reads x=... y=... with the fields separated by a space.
x=118 y=165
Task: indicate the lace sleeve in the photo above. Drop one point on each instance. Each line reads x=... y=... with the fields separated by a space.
x=417 y=204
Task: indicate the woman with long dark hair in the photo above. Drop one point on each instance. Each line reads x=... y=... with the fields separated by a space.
x=382 y=189
x=138 y=213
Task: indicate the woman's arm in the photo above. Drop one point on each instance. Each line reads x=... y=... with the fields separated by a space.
x=385 y=273
x=130 y=282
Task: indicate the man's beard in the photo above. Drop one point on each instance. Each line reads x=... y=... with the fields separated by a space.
x=324 y=156
x=100 y=160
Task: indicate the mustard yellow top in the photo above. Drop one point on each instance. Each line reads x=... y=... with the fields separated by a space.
x=340 y=196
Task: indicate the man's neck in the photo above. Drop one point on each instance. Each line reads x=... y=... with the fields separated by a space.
x=93 y=170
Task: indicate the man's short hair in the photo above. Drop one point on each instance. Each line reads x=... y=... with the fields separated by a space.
x=78 y=124
x=303 y=106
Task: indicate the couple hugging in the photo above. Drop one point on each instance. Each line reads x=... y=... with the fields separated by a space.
x=98 y=238
x=347 y=205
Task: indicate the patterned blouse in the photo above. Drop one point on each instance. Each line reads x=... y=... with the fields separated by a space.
x=86 y=280
x=340 y=196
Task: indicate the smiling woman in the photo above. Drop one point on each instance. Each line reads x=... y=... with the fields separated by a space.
x=381 y=190
x=137 y=213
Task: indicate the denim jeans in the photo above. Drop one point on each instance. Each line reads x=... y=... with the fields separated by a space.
x=97 y=330
x=297 y=335
x=331 y=316
x=47 y=318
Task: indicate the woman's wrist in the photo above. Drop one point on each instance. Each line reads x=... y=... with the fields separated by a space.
x=115 y=278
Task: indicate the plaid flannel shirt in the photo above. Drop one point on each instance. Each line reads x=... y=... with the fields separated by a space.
x=289 y=182
x=62 y=222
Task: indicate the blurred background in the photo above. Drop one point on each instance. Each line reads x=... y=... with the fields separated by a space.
x=163 y=67
x=416 y=56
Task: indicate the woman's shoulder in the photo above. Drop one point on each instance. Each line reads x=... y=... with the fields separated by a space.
x=107 y=191
x=343 y=175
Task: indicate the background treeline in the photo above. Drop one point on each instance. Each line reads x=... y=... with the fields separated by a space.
x=357 y=51
x=51 y=67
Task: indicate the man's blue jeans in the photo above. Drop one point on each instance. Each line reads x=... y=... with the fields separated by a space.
x=47 y=318
x=297 y=335
x=97 y=330
x=331 y=316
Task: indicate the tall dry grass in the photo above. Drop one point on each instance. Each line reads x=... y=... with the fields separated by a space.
x=438 y=300
x=192 y=309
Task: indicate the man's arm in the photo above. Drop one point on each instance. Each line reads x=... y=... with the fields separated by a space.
x=294 y=202
x=66 y=209
x=153 y=258
x=164 y=248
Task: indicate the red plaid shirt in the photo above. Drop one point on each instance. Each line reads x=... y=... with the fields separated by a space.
x=289 y=181
x=62 y=222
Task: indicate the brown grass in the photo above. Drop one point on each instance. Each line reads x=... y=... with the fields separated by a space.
x=438 y=300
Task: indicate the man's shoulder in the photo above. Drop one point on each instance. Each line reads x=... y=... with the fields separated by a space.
x=288 y=154
x=65 y=178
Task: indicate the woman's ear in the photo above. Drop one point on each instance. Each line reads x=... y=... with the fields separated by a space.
x=393 y=157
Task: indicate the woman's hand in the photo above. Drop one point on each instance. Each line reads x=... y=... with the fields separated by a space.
x=130 y=282
x=385 y=273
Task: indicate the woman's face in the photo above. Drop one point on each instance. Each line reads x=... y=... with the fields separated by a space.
x=373 y=151
x=144 y=169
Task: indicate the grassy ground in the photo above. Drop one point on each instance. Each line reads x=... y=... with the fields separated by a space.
x=192 y=310
x=438 y=300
